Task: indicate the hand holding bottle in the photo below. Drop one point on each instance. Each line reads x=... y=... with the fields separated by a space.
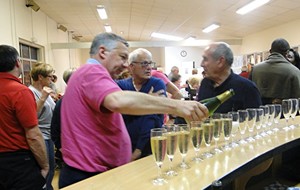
x=191 y=111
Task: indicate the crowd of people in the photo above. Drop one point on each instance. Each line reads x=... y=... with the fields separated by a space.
x=113 y=101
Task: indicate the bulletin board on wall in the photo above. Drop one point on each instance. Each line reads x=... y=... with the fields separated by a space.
x=186 y=70
x=257 y=57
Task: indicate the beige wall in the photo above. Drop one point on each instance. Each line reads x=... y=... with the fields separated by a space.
x=20 y=22
x=261 y=41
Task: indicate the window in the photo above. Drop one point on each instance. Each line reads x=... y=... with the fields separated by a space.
x=29 y=55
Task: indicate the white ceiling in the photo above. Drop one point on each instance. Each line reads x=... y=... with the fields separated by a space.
x=135 y=20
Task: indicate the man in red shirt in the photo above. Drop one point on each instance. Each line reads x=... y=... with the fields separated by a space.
x=23 y=159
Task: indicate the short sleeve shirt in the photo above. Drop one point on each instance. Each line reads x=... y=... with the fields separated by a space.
x=17 y=112
x=94 y=139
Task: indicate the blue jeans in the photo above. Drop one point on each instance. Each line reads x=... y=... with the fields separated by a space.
x=50 y=153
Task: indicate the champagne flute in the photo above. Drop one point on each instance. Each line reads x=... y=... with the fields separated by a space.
x=171 y=134
x=227 y=128
x=183 y=143
x=196 y=137
x=243 y=122
x=158 y=147
x=251 y=123
x=208 y=129
x=265 y=120
x=235 y=128
x=259 y=121
x=271 y=117
x=277 y=116
x=218 y=126
x=294 y=111
x=286 y=110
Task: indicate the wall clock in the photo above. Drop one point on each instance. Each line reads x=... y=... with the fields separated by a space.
x=183 y=53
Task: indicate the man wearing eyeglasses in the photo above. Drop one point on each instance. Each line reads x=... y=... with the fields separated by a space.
x=140 y=66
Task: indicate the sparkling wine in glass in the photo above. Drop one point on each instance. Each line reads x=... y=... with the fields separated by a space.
x=243 y=122
x=196 y=137
x=286 y=110
x=183 y=143
x=227 y=128
x=171 y=134
x=294 y=110
x=218 y=126
x=158 y=147
x=208 y=129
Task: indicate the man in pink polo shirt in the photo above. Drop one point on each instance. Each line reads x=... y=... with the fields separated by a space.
x=94 y=137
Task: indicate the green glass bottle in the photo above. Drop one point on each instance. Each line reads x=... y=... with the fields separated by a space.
x=213 y=103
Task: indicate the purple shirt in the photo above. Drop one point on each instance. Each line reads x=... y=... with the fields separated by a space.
x=93 y=139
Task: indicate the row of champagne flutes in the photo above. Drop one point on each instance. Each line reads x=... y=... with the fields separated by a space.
x=164 y=141
x=290 y=108
x=257 y=122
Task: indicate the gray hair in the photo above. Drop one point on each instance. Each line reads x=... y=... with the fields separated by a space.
x=108 y=40
x=222 y=49
x=135 y=54
x=67 y=74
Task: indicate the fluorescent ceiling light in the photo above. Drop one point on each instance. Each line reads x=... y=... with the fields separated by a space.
x=107 y=28
x=251 y=6
x=101 y=12
x=166 y=37
x=191 y=38
x=210 y=28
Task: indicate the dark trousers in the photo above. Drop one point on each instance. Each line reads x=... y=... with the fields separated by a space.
x=69 y=175
x=20 y=171
x=51 y=160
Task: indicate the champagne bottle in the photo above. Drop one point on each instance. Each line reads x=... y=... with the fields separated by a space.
x=213 y=103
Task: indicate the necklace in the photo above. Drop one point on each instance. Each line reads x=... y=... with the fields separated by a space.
x=134 y=85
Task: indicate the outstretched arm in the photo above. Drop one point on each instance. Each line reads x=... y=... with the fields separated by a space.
x=128 y=102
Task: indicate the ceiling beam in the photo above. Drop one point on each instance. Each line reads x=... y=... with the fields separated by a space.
x=199 y=43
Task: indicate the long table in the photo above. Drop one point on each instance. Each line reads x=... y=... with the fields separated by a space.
x=226 y=166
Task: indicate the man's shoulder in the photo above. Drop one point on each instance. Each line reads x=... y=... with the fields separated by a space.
x=241 y=80
x=156 y=80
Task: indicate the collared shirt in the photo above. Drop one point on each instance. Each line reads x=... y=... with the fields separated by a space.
x=94 y=139
x=17 y=111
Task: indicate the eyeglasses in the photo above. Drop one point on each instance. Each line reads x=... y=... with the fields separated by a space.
x=50 y=76
x=145 y=63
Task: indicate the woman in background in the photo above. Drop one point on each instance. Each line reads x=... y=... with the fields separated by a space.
x=293 y=57
x=42 y=75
